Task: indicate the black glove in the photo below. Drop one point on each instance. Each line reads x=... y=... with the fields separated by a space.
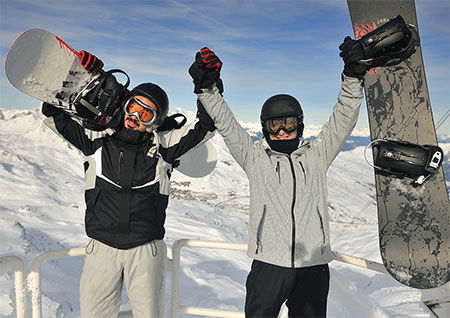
x=170 y=122
x=351 y=53
x=90 y=62
x=211 y=60
x=50 y=111
x=205 y=71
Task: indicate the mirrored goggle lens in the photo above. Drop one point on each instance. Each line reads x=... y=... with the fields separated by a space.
x=144 y=113
x=288 y=124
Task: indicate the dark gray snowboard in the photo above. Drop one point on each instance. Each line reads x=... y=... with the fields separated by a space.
x=414 y=222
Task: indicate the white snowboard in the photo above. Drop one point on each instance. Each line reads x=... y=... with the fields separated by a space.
x=44 y=67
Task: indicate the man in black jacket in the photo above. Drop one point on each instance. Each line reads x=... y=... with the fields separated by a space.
x=127 y=175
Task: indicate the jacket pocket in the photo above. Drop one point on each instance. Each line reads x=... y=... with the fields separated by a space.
x=322 y=230
x=305 y=174
x=277 y=169
x=259 y=231
x=91 y=201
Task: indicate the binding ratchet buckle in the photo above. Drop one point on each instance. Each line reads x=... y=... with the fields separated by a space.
x=390 y=43
x=405 y=159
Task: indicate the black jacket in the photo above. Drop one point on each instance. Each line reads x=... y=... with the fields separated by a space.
x=127 y=177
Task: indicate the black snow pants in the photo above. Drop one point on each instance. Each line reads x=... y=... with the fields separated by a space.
x=269 y=286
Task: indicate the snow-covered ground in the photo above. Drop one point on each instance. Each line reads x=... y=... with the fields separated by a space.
x=42 y=209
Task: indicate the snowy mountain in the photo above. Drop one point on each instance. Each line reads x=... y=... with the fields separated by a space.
x=42 y=209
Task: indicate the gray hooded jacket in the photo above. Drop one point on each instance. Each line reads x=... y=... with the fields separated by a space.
x=288 y=223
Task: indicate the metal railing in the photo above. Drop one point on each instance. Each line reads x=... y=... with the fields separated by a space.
x=176 y=309
x=34 y=278
x=32 y=282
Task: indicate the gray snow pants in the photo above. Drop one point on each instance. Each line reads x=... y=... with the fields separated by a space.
x=106 y=268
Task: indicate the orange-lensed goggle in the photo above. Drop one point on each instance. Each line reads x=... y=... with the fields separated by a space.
x=144 y=113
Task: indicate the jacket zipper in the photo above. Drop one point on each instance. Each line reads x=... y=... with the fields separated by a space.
x=258 y=232
x=120 y=163
x=292 y=212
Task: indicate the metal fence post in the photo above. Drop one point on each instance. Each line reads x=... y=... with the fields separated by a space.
x=176 y=254
x=34 y=278
x=19 y=286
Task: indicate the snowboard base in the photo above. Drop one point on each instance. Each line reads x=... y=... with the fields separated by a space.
x=43 y=66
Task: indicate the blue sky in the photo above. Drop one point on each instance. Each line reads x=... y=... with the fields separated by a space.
x=268 y=47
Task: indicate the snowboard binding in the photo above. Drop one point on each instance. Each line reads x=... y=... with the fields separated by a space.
x=404 y=159
x=99 y=103
x=389 y=44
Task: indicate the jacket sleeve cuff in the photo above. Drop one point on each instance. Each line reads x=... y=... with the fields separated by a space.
x=346 y=78
x=212 y=90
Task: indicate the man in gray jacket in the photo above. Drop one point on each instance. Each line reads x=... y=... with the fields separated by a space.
x=288 y=236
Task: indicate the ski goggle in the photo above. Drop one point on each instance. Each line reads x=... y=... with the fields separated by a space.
x=288 y=124
x=144 y=113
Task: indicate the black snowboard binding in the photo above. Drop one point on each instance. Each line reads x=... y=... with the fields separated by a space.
x=99 y=103
x=389 y=44
x=404 y=159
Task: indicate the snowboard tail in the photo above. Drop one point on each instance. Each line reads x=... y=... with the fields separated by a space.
x=414 y=221
x=43 y=66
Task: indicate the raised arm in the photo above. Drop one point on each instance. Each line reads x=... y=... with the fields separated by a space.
x=176 y=142
x=205 y=72
x=61 y=123
x=336 y=131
